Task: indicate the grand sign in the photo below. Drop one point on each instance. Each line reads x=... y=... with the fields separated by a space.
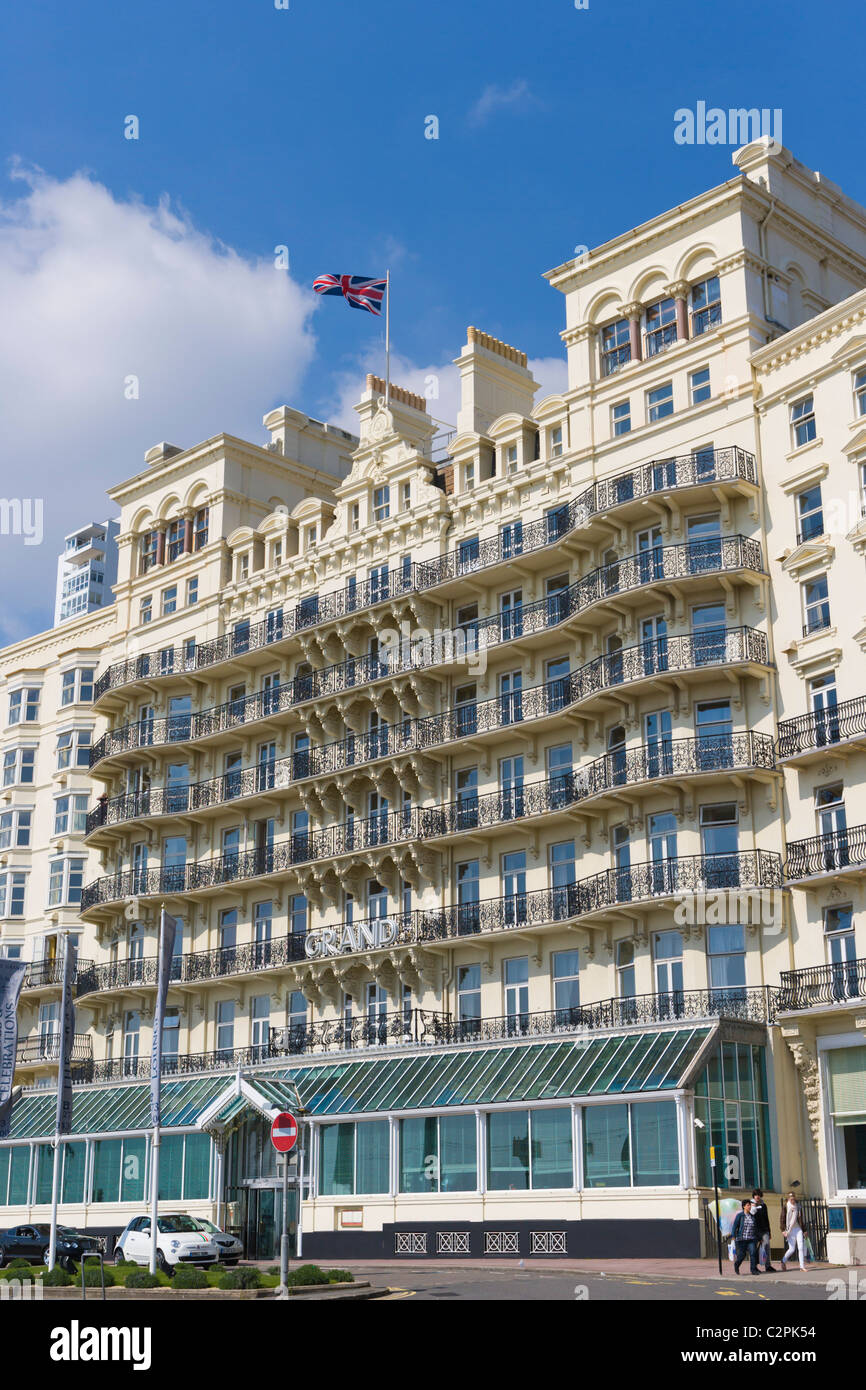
x=370 y=935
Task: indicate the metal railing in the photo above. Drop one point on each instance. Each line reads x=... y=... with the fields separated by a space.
x=708 y=754
x=46 y=1048
x=707 y=466
x=821 y=728
x=220 y=963
x=821 y=984
x=694 y=559
x=624 y=884
x=825 y=854
x=49 y=972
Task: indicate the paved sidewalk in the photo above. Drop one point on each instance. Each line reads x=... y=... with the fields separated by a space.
x=655 y=1268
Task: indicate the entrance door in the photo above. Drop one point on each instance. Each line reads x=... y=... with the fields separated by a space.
x=264 y=1222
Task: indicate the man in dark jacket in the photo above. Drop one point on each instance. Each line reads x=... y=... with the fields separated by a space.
x=743 y=1235
x=762 y=1229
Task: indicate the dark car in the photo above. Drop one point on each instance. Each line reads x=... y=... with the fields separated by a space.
x=32 y=1242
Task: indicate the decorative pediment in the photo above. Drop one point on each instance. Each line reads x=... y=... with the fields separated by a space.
x=810 y=554
x=854 y=347
x=807 y=477
x=857 y=535
x=855 y=446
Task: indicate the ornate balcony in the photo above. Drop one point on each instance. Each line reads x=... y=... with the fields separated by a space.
x=839 y=852
x=821 y=985
x=810 y=735
x=611 y=887
x=666 y=563
x=707 y=467
x=250 y=959
x=43 y=974
x=45 y=1048
x=756 y=751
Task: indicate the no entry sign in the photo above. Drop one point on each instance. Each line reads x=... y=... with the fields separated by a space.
x=284 y=1132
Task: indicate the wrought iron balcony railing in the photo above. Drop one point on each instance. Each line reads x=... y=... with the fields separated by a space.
x=822 y=727
x=624 y=884
x=740 y=750
x=826 y=854
x=821 y=984
x=695 y=559
x=46 y=1048
x=196 y=966
x=657 y=476
x=49 y=972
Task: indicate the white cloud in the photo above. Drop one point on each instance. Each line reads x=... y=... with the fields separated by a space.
x=517 y=97
x=95 y=289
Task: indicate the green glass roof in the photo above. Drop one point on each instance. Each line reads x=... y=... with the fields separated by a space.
x=619 y=1063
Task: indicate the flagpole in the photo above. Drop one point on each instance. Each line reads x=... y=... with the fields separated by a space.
x=156 y=1080
x=61 y=1059
x=387 y=339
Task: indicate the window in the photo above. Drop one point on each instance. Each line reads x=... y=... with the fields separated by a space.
x=24 y=705
x=354 y=1158
x=469 y=476
x=511 y=458
x=145 y=609
x=15 y=829
x=225 y=1026
x=200 y=528
x=615 y=346
x=860 y=391
x=554 y=442
x=192 y=590
x=381 y=503
x=147 y=551
x=699 y=385
x=706 y=306
x=846 y=1086
x=566 y=983
x=661 y=326
x=311 y=537
x=19 y=766
x=65 y=881
x=810 y=514
x=803 y=421
x=529 y=1149
x=438 y=1154
x=175 y=539
x=468 y=996
x=842 y=951
x=816 y=605
x=660 y=402
x=169 y=600
x=355 y=517
x=73 y=748
x=620 y=417
x=731 y=1102
x=12 y=885
x=70 y=815
x=405 y=497
x=77 y=686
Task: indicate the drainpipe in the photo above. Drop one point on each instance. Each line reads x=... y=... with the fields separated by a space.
x=765 y=274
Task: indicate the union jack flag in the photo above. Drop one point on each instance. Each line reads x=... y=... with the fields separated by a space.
x=358 y=290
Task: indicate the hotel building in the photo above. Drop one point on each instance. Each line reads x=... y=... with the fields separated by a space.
x=500 y=785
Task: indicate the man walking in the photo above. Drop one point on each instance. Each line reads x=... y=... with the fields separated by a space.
x=744 y=1238
x=762 y=1230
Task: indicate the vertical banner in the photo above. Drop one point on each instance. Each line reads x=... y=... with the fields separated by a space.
x=167 y=932
x=67 y=1042
x=12 y=974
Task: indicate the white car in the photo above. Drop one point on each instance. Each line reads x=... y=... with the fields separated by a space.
x=180 y=1241
x=229 y=1247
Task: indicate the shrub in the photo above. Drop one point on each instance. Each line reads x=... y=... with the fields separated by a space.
x=138 y=1279
x=18 y=1263
x=93 y=1277
x=307 y=1274
x=274 y=1269
x=56 y=1278
x=188 y=1277
x=244 y=1277
x=340 y=1276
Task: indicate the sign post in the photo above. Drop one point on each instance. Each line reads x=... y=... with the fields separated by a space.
x=284 y=1137
x=718 y=1209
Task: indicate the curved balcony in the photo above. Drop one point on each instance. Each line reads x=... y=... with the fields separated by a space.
x=819 y=986
x=692 y=651
x=194 y=968
x=45 y=974
x=632 y=574
x=707 y=468
x=810 y=735
x=610 y=887
x=839 y=852
x=37 y=1051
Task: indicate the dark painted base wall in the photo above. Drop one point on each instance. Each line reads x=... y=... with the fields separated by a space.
x=511 y=1240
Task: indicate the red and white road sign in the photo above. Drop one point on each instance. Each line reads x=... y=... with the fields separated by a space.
x=284 y=1132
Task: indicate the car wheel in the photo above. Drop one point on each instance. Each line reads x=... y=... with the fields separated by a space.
x=118 y=1254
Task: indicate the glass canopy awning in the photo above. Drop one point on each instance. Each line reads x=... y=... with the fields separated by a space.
x=620 y=1063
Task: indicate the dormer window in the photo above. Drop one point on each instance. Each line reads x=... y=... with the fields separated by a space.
x=706 y=306
x=469 y=476
x=511 y=458
x=405 y=497
x=554 y=443
x=243 y=566
x=661 y=326
x=615 y=346
x=278 y=554
x=312 y=537
x=381 y=503
x=355 y=517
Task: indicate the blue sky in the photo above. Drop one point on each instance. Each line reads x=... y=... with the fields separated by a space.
x=305 y=127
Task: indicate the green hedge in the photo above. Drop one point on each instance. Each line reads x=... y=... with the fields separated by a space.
x=307 y=1274
x=56 y=1278
x=93 y=1277
x=141 y=1279
x=188 y=1277
x=244 y=1277
x=340 y=1276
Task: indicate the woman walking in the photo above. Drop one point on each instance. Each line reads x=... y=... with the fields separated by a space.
x=794 y=1233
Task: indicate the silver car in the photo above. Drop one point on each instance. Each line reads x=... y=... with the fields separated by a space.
x=229 y=1247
